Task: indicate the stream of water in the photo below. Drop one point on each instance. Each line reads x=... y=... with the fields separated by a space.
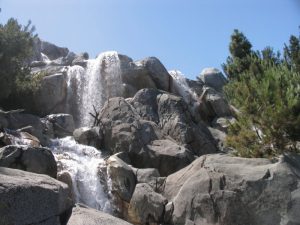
x=84 y=164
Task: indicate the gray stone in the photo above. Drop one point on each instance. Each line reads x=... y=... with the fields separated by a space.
x=52 y=94
x=146 y=73
x=123 y=129
x=213 y=105
x=214 y=78
x=174 y=118
x=169 y=208
x=219 y=189
x=134 y=126
x=38 y=64
x=31 y=159
x=122 y=178
x=65 y=177
x=220 y=138
x=155 y=69
x=146 y=206
x=144 y=175
x=145 y=103
x=149 y=175
x=88 y=136
x=69 y=58
x=28 y=198
x=82 y=215
x=218 y=104
x=10 y=137
x=63 y=124
x=176 y=122
x=52 y=51
x=164 y=155
x=16 y=119
x=81 y=59
x=189 y=90
x=48 y=69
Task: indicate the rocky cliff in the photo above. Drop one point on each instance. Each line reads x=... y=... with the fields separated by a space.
x=146 y=146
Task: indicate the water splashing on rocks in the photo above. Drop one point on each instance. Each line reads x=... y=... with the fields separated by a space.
x=84 y=164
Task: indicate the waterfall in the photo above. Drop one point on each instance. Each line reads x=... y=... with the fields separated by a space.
x=183 y=89
x=88 y=88
x=75 y=84
x=84 y=164
x=92 y=86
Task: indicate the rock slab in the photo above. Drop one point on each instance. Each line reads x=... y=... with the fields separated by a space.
x=28 y=198
x=220 y=189
x=82 y=215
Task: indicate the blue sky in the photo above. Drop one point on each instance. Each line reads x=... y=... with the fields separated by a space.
x=187 y=35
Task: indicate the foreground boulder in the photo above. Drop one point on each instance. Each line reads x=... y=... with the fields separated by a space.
x=31 y=159
x=82 y=215
x=28 y=198
x=146 y=206
x=123 y=182
x=219 y=189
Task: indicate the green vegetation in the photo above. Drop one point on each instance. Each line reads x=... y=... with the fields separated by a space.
x=16 y=48
x=266 y=89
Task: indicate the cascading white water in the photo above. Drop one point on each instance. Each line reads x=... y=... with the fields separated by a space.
x=83 y=163
x=182 y=87
x=90 y=87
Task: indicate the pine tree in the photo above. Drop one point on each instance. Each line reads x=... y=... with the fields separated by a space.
x=266 y=89
x=292 y=53
x=240 y=54
x=16 y=43
x=269 y=123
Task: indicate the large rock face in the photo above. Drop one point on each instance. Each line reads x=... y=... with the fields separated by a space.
x=52 y=51
x=31 y=159
x=28 y=198
x=51 y=98
x=132 y=126
x=123 y=129
x=219 y=189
